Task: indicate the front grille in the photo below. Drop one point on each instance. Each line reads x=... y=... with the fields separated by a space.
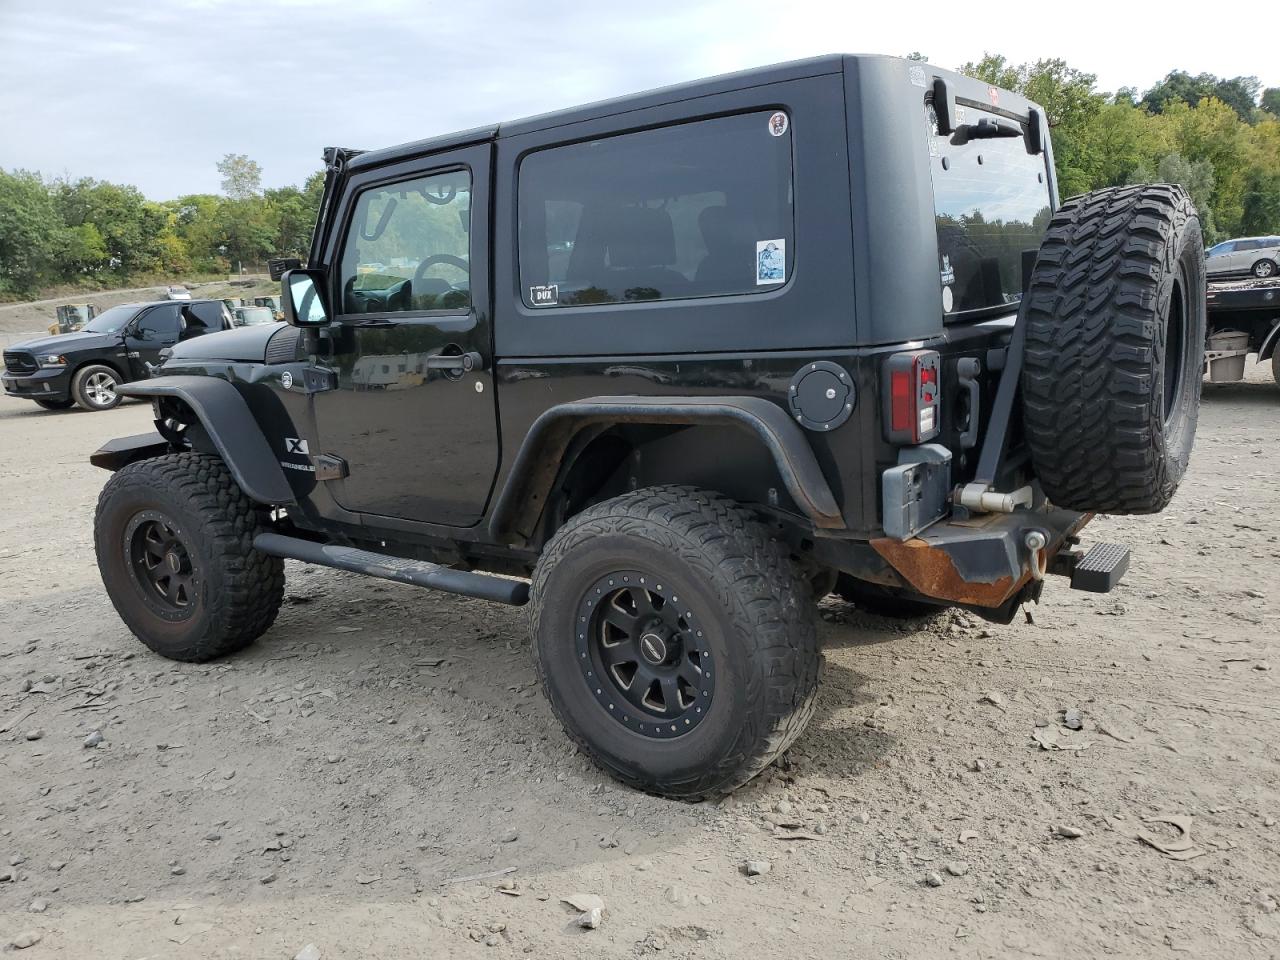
x=16 y=362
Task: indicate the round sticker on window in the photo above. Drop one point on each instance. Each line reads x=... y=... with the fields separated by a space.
x=948 y=300
x=778 y=124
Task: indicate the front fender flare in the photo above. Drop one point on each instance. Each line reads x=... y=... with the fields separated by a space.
x=231 y=426
x=534 y=471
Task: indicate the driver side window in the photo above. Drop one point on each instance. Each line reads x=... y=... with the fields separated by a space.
x=407 y=247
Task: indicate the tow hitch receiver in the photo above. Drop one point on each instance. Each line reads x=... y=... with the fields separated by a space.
x=1097 y=571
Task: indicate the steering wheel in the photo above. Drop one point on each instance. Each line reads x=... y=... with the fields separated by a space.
x=429 y=262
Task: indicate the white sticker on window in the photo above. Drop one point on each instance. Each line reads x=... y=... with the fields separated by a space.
x=778 y=124
x=771 y=261
x=545 y=296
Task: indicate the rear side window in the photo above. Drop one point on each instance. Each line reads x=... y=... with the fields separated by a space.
x=991 y=201
x=699 y=209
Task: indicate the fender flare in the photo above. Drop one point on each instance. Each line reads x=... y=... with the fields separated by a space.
x=231 y=426
x=538 y=461
x=1269 y=342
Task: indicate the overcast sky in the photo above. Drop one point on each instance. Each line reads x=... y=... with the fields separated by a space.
x=155 y=92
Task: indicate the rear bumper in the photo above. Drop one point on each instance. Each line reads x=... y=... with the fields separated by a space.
x=984 y=561
x=43 y=384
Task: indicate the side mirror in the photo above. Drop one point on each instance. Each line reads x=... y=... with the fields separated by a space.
x=302 y=296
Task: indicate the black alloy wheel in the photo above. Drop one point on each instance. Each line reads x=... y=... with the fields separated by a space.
x=642 y=652
x=161 y=566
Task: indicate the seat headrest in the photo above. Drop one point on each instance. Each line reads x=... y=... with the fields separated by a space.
x=639 y=237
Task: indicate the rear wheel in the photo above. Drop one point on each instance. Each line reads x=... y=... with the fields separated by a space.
x=1264 y=268
x=64 y=404
x=1275 y=367
x=95 y=387
x=675 y=640
x=174 y=539
x=1114 y=349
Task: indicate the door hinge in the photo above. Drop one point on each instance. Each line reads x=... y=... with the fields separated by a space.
x=318 y=380
x=329 y=467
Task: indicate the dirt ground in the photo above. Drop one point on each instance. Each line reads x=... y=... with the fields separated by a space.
x=368 y=777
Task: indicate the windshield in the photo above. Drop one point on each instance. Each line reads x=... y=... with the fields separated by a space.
x=111 y=320
x=991 y=200
x=252 y=316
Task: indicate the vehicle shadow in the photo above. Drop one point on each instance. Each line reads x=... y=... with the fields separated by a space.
x=29 y=408
x=1253 y=392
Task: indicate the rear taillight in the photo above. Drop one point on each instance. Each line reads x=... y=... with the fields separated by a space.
x=911 y=397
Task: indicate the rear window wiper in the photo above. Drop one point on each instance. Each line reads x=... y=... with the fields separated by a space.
x=986 y=129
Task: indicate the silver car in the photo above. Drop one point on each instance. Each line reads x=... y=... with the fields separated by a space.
x=1245 y=256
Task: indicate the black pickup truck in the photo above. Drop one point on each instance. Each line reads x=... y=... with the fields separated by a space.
x=115 y=347
x=1244 y=318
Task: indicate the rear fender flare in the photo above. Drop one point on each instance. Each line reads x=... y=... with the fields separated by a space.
x=1269 y=342
x=524 y=495
x=231 y=426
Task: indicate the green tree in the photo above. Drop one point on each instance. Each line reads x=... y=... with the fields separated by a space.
x=1239 y=93
x=241 y=177
x=1271 y=101
x=28 y=231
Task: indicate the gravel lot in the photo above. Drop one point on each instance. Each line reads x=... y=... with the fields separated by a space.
x=338 y=783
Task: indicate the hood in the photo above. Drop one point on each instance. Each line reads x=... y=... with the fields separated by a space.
x=67 y=343
x=247 y=344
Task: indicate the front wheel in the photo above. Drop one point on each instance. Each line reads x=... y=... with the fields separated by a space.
x=174 y=539
x=675 y=640
x=1264 y=268
x=95 y=387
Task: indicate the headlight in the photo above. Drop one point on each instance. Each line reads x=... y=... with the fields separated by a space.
x=53 y=360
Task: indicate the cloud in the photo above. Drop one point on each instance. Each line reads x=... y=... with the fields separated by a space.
x=154 y=94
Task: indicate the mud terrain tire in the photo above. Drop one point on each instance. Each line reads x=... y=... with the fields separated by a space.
x=1114 y=349
x=223 y=594
x=750 y=615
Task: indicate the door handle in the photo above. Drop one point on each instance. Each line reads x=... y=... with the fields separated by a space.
x=458 y=363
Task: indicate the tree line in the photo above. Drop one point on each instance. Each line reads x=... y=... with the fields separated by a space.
x=1218 y=137
x=97 y=235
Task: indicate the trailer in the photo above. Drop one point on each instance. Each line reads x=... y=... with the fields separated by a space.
x=1243 y=318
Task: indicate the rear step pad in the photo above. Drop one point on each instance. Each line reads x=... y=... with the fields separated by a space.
x=415 y=572
x=1099 y=570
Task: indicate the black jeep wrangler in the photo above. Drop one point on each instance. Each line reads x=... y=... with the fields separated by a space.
x=688 y=361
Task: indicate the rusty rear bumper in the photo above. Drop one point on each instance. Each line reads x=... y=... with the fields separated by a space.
x=983 y=561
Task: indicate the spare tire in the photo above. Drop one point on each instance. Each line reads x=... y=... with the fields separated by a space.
x=1114 y=349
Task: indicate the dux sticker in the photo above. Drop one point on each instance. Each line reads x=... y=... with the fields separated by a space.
x=295 y=445
x=915 y=74
x=771 y=261
x=778 y=124
x=948 y=272
x=286 y=379
x=545 y=296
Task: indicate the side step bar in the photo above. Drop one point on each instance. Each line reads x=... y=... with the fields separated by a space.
x=415 y=572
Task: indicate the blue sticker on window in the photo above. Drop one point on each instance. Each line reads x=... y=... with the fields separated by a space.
x=771 y=261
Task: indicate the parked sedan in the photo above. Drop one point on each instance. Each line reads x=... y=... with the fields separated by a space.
x=1244 y=256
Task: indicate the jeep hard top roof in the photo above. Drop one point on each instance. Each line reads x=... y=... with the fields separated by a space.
x=743 y=79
